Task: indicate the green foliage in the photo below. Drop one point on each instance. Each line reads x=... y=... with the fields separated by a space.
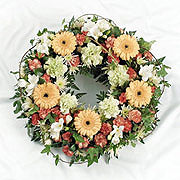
x=116 y=31
x=77 y=137
x=101 y=96
x=18 y=106
x=162 y=72
x=40 y=33
x=50 y=118
x=46 y=150
x=145 y=45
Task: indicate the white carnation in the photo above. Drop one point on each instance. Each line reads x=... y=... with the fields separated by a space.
x=109 y=107
x=118 y=76
x=91 y=55
x=67 y=102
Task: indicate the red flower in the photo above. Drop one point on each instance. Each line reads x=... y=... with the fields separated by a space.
x=46 y=77
x=138 y=56
x=122 y=98
x=135 y=116
x=80 y=38
x=34 y=64
x=100 y=140
x=85 y=32
x=110 y=59
x=110 y=42
x=40 y=55
x=43 y=113
x=153 y=88
x=148 y=55
x=67 y=151
x=106 y=128
x=75 y=61
x=35 y=119
x=132 y=73
x=58 y=114
x=120 y=121
x=83 y=144
x=67 y=136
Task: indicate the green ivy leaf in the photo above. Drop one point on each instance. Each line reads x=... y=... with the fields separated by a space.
x=18 y=105
x=50 y=118
x=162 y=72
x=77 y=137
x=46 y=150
x=56 y=159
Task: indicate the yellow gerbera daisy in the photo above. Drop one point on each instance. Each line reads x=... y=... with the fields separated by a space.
x=46 y=95
x=139 y=93
x=64 y=43
x=126 y=46
x=87 y=123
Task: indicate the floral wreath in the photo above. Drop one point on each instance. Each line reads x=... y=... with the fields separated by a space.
x=92 y=46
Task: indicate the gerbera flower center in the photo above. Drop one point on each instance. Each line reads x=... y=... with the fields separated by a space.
x=46 y=95
x=126 y=46
x=139 y=93
x=88 y=122
x=63 y=42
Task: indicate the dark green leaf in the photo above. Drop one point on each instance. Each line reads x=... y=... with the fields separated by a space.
x=77 y=137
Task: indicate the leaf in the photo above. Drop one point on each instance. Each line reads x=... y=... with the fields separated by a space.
x=63 y=21
x=77 y=137
x=116 y=31
x=145 y=44
x=50 y=118
x=133 y=144
x=79 y=95
x=41 y=81
x=39 y=71
x=18 y=105
x=15 y=72
x=162 y=72
x=47 y=149
x=74 y=86
x=56 y=159
x=160 y=60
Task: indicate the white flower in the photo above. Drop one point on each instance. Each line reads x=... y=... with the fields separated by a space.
x=146 y=72
x=30 y=85
x=56 y=127
x=125 y=110
x=91 y=55
x=141 y=61
x=22 y=83
x=27 y=104
x=115 y=153
x=33 y=80
x=95 y=32
x=96 y=29
x=55 y=67
x=118 y=76
x=88 y=25
x=48 y=142
x=68 y=119
x=118 y=133
x=155 y=79
x=79 y=23
x=103 y=25
x=61 y=83
x=43 y=43
x=67 y=102
x=109 y=107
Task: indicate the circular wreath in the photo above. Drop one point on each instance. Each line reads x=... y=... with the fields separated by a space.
x=91 y=46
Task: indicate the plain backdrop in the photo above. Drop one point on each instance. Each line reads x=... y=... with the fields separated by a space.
x=159 y=158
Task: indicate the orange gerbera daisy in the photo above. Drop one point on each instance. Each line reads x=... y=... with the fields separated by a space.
x=139 y=93
x=87 y=122
x=64 y=43
x=126 y=46
x=46 y=95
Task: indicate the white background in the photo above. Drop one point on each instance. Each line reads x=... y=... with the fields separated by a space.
x=159 y=158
